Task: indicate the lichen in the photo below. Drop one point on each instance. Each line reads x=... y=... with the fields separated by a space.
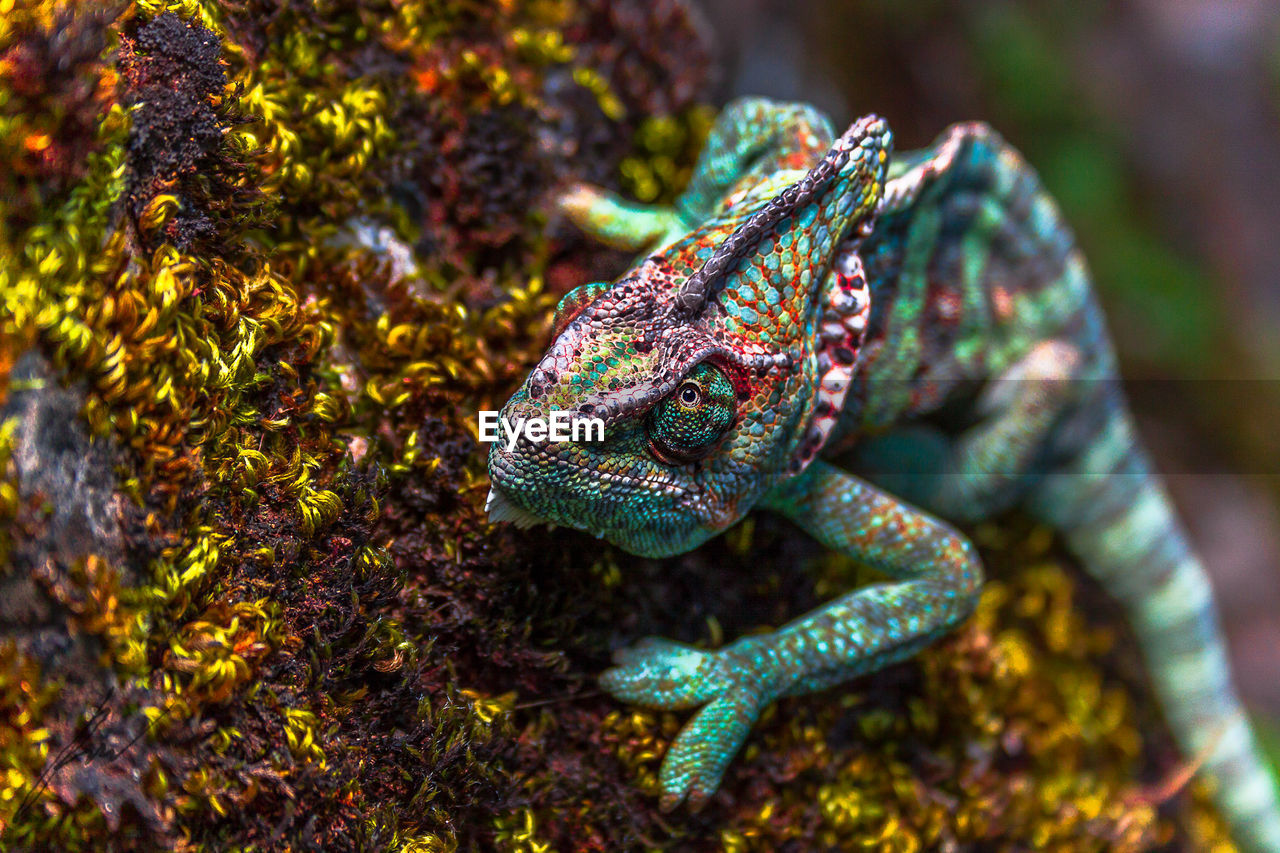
x=262 y=263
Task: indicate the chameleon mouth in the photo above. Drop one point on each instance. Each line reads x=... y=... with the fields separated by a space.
x=503 y=464
x=500 y=508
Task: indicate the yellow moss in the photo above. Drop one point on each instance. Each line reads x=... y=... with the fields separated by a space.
x=640 y=739
x=424 y=844
x=207 y=12
x=304 y=741
x=24 y=742
x=489 y=708
x=517 y=833
x=660 y=164
x=217 y=650
x=8 y=487
x=596 y=84
x=541 y=46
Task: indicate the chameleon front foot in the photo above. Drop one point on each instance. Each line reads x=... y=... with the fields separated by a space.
x=661 y=674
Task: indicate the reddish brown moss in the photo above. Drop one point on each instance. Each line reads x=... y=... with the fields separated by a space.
x=174 y=78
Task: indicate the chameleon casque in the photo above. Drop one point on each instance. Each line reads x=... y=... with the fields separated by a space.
x=926 y=315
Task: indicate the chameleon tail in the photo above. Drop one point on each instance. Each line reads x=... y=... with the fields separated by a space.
x=1118 y=520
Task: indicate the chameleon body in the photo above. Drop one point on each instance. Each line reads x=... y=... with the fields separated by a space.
x=926 y=316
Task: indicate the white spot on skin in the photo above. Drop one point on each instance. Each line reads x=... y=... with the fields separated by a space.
x=684 y=665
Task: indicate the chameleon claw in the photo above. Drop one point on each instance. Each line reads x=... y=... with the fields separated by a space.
x=698 y=798
x=669 y=801
x=694 y=800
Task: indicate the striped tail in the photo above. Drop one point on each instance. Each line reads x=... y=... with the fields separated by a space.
x=1119 y=522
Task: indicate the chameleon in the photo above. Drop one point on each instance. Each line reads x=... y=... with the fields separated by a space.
x=881 y=347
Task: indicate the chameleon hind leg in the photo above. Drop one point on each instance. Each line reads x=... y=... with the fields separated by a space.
x=936 y=579
x=752 y=138
x=984 y=470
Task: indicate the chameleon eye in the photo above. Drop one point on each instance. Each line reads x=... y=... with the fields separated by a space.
x=686 y=426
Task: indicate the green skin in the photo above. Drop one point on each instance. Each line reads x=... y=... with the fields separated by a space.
x=927 y=319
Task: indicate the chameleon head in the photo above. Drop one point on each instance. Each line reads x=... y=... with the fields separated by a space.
x=716 y=366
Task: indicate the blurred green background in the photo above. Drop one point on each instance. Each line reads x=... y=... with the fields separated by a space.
x=1156 y=124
